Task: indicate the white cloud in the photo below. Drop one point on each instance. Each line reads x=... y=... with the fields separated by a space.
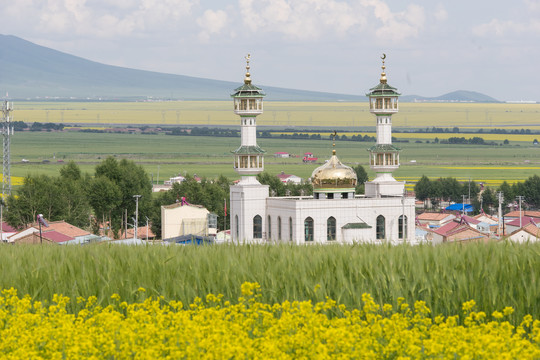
x=72 y=18
x=397 y=26
x=500 y=28
x=440 y=13
x=212 y=22
x=533 y=5
x=301 y=19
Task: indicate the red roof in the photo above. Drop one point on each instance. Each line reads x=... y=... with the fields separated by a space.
x=67 y=229
x=7 y=228
x=524 y=220
x=470 y=220
x=55 y=236
x=446 y=228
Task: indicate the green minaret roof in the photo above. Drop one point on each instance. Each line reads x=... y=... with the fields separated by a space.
x=383 y=89
x=248 y=90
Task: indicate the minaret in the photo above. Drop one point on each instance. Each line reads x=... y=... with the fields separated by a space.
x=384 y=157
x=248 y=103
x=248 y=197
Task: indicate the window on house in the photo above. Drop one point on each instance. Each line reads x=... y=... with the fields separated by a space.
x=402 y=224
x=257 y=227
x=290 y=229
x=331 y=229
x=380 y=227
x=308 y=229
x=269 y=227
x=236 y=230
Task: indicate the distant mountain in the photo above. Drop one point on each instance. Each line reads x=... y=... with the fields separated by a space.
x=31 y=71
x=455 y=96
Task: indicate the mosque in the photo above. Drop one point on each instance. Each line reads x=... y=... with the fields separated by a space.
x=334 y=213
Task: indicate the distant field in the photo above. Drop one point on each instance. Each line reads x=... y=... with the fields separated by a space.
x=282 y=114
x=165 y=156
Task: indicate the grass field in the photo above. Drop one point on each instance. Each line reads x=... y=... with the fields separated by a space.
x=211 y=157
x=494 y=275
x=282 y=114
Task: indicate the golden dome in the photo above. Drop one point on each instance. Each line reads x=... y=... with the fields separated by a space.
x=333 y=175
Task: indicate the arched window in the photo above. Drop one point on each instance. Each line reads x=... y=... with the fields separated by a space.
x=380 y=227
x=308 y=229
x=402 y=227
x=331 y=229
x=269 y=228
x=279 y=227
x=257 y=227
x=290 y=228
x=236 y=227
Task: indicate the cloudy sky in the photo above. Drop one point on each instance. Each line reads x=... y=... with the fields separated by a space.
x=433 y=47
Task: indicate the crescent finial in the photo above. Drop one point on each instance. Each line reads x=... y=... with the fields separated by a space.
x=383 y=56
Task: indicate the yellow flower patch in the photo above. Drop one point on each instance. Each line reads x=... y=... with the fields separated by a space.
x=156 y=329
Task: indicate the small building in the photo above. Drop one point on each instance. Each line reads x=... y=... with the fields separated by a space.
x=527 y=233
x=518 y=223
x=434 y=220
x=458 y=231
x=285 y=178
x=186 y=219
x=46 y=237
x=75 y=234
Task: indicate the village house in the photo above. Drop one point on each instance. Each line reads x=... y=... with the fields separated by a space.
x=434 y=220
x=285 y=178
x=457 y=231
x=527 y=233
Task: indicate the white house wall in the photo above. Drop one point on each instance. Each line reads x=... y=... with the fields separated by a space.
x=344 y=211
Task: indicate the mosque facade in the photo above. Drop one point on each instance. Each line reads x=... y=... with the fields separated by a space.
x=334 y=213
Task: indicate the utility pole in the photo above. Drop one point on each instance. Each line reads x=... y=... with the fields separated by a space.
x=7 y=131
x=500 y=194
x=520 y=217
x=463 y=203
x=136 y=215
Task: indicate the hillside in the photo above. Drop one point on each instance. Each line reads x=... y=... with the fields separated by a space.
x=455 y=96
x=32 y=71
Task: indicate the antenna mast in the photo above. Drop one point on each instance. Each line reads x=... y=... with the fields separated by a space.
x=7 y=131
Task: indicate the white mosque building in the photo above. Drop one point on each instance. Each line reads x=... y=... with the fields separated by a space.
x=333 y=214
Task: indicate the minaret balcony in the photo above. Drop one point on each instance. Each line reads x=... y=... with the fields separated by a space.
x=383 y=168
x=248 y=112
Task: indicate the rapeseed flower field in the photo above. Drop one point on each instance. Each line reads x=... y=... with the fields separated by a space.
x=153 y=328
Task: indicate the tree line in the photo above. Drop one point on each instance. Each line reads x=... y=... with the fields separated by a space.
x=449 y=189
x=102 y=199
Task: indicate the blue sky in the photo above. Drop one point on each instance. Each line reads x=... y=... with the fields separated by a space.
x=432 y=47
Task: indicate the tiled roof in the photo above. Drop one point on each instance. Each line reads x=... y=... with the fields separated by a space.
x=141 y=232
x=7 y=228
x=433 y=216
x=66 y=229
x=54 y=236
x=524 y=220
x=447 y=228
x=470 y=220
x=517 y=214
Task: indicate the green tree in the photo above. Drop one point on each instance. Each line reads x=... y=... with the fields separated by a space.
x=422 y=189
x=131 y=179
x=277 y=188
x=362 y=177
x=531 y=191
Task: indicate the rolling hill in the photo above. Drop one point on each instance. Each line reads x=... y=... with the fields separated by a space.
x=31 y=71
